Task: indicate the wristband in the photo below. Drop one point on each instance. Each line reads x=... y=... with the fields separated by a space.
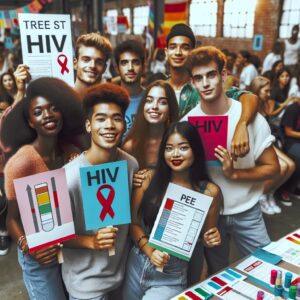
x=143 y=245
x=140 y=238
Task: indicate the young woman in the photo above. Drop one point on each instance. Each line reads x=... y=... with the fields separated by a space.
x=8 y=84
x=181 y=161
x=50 y=113
x=280 y=92
x=157 y=110
x=261 y=86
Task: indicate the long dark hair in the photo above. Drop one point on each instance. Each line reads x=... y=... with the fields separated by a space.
x=16 y=131
x=2 y=88
x=159 y=183
x=278 y=94
x=139 y=132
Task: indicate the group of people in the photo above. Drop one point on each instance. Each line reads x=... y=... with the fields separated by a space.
x=50 y=125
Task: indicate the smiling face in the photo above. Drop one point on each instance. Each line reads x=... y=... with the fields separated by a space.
x=178 y=50
x=90 y=65
x=208 y=81
x=130 y=67
x=8 y=82
x=178 y=153
x=106 y=125
x=156 y=108
x=44 y=117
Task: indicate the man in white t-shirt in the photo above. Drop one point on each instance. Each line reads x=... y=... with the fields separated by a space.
x=249 y=71
x=241 y=181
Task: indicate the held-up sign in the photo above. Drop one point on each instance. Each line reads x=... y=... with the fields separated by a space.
x=179 y=221
x=213 y=132
x=105 y=195
x=47 y=45
x=45 y=208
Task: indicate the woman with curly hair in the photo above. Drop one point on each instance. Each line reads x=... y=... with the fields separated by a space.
x=43 y=121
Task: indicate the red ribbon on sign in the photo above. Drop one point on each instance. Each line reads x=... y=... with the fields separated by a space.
x=63 y=61
x=106 y=202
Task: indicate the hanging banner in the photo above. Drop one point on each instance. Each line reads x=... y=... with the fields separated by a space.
x=47 y=45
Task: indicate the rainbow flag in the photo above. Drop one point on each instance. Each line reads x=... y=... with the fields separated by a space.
x=151 y=18
x=176 y=11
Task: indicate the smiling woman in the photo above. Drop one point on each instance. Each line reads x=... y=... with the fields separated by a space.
x=43 y=121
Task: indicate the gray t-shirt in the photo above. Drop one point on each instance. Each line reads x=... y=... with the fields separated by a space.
x=91 y=273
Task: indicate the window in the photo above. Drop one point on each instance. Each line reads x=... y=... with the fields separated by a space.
x=140 y=19
x=204 y=23
x=239 y=19
x=290 y=17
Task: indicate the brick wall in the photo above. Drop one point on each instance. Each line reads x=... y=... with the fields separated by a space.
x=267 y=18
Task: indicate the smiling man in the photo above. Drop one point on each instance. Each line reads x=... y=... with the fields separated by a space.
x=88 y=271
x=241 y=182
x=130 y=60
x=91 y=54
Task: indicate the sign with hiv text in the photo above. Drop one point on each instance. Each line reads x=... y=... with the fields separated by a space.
x=105 y=195
x=45 y=208
x=213 y=131
x=46 y=42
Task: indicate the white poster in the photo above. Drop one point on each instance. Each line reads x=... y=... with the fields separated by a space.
x=179 y=221
x=47 y=45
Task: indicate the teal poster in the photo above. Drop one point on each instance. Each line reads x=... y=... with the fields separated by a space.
x=105 y=195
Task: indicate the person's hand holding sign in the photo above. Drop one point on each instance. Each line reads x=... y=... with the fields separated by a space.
x=47 y=255
x=240 y=141
x=212 y=237
x=159 y=259
x=224 y=157
x=104 y=239
x=22 y=76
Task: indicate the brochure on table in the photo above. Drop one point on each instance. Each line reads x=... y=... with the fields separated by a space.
x=179 y=221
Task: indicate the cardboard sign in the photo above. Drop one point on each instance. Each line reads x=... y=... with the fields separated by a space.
x=45 y=208
x=105 y=195
x=179 y=221
x=47 y=45
x=213 y=132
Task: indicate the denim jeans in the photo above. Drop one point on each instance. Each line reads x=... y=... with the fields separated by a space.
x=144 y=282
x=249 y=232
x=42 y=282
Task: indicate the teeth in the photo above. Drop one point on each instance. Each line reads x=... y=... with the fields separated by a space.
x=108 y=135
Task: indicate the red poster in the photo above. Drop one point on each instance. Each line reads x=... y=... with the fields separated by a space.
x=213 y=132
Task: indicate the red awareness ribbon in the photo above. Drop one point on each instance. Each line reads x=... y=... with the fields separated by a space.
x=63 y=61
x=106 y=202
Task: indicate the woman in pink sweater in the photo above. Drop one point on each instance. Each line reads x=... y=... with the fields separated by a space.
x=43 y=121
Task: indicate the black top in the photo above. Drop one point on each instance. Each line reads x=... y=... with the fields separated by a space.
x=291 y=118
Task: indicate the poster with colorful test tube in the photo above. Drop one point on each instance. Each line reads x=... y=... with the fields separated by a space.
x=45 y=208
x=179 y=221
x=46 y=41
x=105 y=195
x=213 y=130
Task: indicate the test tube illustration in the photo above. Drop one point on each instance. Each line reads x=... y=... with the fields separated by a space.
x=56 y=201
x=44 y=205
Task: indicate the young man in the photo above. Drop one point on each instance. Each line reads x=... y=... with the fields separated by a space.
x=91 y=54
x=88 y=271
x=249 y=71
x=241 y=182
x=130 y=60
x=180 y=42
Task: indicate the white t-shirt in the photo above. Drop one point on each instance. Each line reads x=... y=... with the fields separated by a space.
x=248 y=74
x=240 y=196
x=290 y=55
x=269 y=61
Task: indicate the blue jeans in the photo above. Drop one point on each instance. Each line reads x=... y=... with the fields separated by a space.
x=143 y=282
x=42 y=282
x=249 y=232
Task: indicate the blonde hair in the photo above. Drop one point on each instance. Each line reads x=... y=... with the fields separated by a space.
x=258 y=83
x=94 y=39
